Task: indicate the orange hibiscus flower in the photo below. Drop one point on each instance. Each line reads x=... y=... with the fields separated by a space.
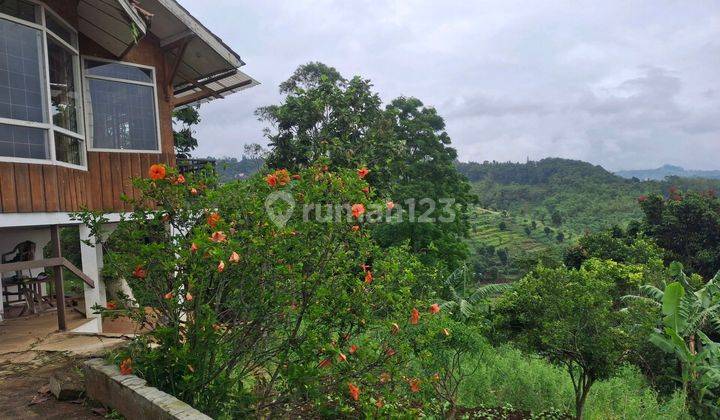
x=157 y=171
x=218 y=236
x=213 y=219
x=139 y=272
x=126 y=367
x=179 y=180
x=234 y=257
x=282 y=176
x=111 y=305
x=169 y=295
x=368 y=277
x=271 y=180
x=354 y=391
x=434 y=308
x=358 y=210
x=362 y=172
x=414 y=316
x=390 y=205
x=414 y=385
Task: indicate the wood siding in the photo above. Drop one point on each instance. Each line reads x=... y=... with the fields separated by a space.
x=26 y=188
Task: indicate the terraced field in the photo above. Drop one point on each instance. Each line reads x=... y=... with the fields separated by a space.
x=489 y=240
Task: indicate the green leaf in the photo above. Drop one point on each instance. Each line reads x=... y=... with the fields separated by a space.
x=672 y=297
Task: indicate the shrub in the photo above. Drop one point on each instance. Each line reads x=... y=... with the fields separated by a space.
x=250 y=317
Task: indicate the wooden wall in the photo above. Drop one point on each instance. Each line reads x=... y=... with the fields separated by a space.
x=26 y=188
x=50 y=188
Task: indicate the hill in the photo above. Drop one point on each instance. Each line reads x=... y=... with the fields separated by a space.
x=666 y=171
x=566 y=197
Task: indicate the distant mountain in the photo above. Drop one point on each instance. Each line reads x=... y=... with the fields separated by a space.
x=667 y=170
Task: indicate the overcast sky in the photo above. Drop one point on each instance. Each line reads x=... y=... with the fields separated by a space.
x=624 y=84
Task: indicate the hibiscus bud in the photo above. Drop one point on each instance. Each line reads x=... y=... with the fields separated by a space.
x=188 y=297
x=234 y=257
x=342 y=357
x=193 y=247
x=390 y=205
x=169 y=295
x=221 y=267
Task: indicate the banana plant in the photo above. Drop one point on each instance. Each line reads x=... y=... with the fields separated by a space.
x=465 y=299
x=699 y=308
x=700 y=362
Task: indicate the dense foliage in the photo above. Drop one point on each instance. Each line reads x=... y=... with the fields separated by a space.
x=688 y=227
x=404 y=147
x=569 y=317
x=251 y=317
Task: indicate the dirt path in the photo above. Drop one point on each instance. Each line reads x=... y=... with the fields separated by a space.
x=24 y=393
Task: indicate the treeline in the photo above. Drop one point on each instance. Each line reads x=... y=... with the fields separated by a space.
x=545 y=171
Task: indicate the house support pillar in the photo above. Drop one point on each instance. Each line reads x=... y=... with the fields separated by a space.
x=92 y=263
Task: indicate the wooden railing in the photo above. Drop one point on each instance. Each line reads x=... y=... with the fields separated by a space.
x=185 y=165
x=47 y=263
x=56 y=263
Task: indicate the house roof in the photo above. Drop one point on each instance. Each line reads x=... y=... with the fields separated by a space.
x=203 y=67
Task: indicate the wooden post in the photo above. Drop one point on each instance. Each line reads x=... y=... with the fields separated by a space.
x=58 y=274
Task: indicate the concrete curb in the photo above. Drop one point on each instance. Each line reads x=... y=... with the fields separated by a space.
x=131 y=396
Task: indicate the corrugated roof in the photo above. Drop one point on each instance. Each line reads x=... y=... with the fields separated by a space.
x=204 y=67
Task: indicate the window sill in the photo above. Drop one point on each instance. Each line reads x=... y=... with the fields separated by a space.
x=7 y=159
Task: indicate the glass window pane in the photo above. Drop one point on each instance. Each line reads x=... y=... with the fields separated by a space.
x=68 y=149
x=63 y=91
x=118 y=71
x=19 y=9
x=59 y=29
x=123 y=115
x=23 y=142
x=21 y=83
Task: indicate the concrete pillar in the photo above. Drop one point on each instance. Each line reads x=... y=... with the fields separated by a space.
x=92 y=263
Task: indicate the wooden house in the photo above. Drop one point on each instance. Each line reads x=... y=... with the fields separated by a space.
x=87 y=91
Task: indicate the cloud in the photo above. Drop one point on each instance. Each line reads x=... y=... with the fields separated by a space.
x=622 y=84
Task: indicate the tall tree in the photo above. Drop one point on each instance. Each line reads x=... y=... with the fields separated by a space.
x=326 y=116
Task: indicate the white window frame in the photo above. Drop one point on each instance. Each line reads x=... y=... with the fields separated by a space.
x=48 y=126
x=88 y=105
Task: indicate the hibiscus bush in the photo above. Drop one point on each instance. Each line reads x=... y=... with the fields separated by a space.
x=256 y=304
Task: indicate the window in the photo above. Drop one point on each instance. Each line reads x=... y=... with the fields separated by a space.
x=123 y=108
x=40 y=106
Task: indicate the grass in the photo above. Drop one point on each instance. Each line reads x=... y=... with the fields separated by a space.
x=506 y=375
